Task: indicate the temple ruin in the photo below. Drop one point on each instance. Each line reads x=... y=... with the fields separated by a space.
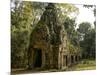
x=48 y=43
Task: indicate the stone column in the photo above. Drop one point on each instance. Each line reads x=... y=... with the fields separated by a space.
x=43 y=58
x=51 y=57
x=30 y=58
x=74 y=59
x=69 y=60
x=59 y=60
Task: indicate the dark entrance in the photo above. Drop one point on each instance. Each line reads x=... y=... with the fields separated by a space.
x=72 y=59
x=37 y=57
x=76 y=59
x=66 y=61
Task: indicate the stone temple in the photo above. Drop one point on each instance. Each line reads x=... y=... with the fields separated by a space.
x=48 y=43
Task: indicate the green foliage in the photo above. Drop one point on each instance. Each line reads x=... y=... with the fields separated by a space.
x=23 y=20
x=84 y=27
x=65 y=10
x=70 y=25
x=88 y=41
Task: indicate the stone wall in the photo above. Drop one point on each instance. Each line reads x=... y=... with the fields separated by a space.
x=50 y=37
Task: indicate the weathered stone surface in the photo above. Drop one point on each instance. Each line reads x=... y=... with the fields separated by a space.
x=49 y=42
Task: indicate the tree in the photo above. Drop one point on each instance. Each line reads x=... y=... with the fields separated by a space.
x=69 y=25
x=23 y=20
x=88 y=41
x=65 y=10
x=84 y=27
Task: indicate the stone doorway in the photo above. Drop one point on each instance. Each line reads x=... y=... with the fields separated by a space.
x=66 y=60
x=72 y=59
x=37 y=57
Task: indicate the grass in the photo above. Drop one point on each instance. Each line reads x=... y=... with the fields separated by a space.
x=86 y=65
x=83 y=65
